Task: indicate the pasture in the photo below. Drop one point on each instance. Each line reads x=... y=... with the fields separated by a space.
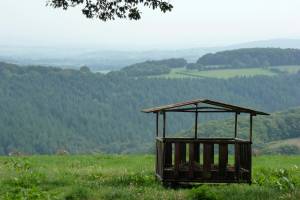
x=132 y=177
x=228 y=73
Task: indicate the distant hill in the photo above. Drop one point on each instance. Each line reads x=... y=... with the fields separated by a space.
x=98 y=58
x=230 y=59
x=248 y=58
x=46 y=109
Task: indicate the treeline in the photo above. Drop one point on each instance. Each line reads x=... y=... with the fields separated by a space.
x=151 y=68
x=239 y=58
x=247 y=58
x=44 y=110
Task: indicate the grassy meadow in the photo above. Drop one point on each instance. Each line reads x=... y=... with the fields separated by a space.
x=228 y=73
x=132 y=177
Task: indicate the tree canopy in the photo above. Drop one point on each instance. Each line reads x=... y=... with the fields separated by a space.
x=45 y=109
x=112 y=9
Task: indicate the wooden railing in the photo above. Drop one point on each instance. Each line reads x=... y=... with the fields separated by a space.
x=203 y=159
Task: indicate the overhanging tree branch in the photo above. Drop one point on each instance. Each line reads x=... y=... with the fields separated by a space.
x=112 y=9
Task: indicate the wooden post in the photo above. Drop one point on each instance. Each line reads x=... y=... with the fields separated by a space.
x=223 y=159
x=157 y=125
x=251 y=123
x=235 y=125
x=207 y=159
x=196 y=122
x=164 y=125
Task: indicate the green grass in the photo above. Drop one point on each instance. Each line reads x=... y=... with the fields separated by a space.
x=132 y=177
x=288 y=69
x=228 y=73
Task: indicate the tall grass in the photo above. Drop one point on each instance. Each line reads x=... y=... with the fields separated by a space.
x=132 y=177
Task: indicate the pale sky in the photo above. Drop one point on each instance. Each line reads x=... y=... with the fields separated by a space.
x=192 y=23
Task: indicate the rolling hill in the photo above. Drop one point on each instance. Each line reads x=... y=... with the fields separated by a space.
x=45 y=109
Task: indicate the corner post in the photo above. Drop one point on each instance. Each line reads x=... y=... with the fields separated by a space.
x=196 y=122
x=157 y=125
x=235 y=125
x=251 y=127
x=164 y=124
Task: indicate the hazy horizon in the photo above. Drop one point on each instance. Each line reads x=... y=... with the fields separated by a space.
x=196 y=24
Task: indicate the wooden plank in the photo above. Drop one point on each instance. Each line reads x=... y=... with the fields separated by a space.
x=191 y=159
x=168 y=154
x=182 y=152
x=250 y=162
x=177 y=159
x=201 y=111
x=212 y=154
x=207 y=159
x=241 y=155
x=237 y=162
x=160 y=160
x=223 y=158
x=204 y=140
x=197 y=152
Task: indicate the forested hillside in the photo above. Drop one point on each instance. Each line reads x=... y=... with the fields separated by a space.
x=277 y=126
x=249 y=57
x=154 y=67
x=47 y=109
x=265 y=58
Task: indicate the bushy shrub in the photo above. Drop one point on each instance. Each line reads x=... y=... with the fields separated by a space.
x=202 y=193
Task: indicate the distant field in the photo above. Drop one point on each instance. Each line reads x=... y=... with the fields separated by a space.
x=293 y=141
x=132 y=177
x=288 y=69
x=228 y=73
x=283 y=146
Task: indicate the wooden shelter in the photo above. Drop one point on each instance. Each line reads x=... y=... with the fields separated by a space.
x=196 y=159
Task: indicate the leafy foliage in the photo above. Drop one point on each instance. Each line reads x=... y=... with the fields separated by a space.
x=281 y=179
x=111 y=9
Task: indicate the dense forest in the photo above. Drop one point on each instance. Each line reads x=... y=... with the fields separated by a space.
x=249 y=57
x=46 y=109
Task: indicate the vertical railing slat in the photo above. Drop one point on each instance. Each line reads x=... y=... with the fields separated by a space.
x=197 y=152
x=191 y=159
x=223 y=158
x=182 y=152
x=168 y=154
x=177 y=159
x=237 y=162
x=207 y=159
